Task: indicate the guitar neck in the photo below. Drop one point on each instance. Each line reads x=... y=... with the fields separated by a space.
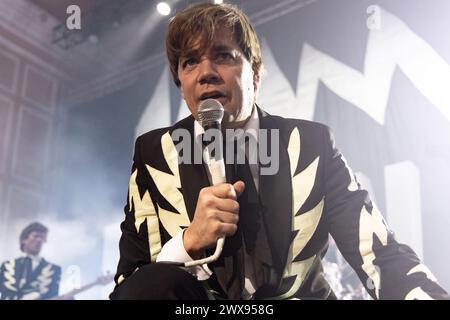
x=74 y=292
x=100 y=281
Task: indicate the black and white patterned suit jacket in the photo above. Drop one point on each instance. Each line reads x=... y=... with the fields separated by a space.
x=313 y=195
x=42 y=283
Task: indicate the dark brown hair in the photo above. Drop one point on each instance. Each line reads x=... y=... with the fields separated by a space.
x=33 y=227
x=199 y=22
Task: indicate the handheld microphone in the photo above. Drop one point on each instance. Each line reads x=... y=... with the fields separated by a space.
x=210 y=114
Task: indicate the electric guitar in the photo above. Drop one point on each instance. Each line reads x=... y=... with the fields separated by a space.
x=102 y=280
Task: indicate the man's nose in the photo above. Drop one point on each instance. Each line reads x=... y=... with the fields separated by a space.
x=208 y=72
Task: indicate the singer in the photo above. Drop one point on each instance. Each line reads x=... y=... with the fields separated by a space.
x=275 y=224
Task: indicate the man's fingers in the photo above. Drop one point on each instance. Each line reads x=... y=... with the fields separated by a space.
x=229 y=205
x=227 y=190
x=229 y=229
x=227 y=217
x=224 y=191
x=239 y=187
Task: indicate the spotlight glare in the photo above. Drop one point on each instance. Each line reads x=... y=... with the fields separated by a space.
x=218 y=1
x=163 y=8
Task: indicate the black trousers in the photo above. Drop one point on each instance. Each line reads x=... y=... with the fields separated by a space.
x=160 y=282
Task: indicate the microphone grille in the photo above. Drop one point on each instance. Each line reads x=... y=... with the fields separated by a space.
x=210 y=111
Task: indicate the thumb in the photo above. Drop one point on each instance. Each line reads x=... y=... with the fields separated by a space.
x=239 y=187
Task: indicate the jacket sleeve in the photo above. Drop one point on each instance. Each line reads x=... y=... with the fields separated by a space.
x=387 y=269
x=140 y=241
x=8 y=290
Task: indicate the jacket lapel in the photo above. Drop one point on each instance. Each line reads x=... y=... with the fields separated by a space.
x=276 y=198
x=193 y=177
x=37 y=271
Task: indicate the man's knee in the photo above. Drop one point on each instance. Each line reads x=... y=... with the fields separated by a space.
x=160 y=281
x=166 y=278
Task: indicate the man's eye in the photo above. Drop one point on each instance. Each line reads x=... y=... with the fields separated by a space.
x=189 y=62
x=224 y=56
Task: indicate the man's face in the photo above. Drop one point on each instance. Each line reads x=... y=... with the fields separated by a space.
x=33 y=243
x=223 y=73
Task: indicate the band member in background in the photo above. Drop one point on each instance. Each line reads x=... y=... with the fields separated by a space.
x=30 y=276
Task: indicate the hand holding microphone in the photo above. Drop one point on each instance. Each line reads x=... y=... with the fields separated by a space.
x=217 y=211
x=216 y=216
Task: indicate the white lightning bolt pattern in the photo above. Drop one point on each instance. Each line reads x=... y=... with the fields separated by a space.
x=394 y=45
x=303 y=182
x=157 y=112
x=306 y=223
x=44 y=279
x=370 y=224
x=168 y=185
x=422 y=268
x=294 y=156
x=276 y=95
x=9 y=275
x=302 y=185
x=144 y=209
x=418 y=293
x=120 y=279
x=300 y=269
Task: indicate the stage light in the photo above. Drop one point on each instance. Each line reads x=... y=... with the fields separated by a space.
x=218 y=1
x=163 y=8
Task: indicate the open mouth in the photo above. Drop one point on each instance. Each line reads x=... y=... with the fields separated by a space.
x=212 y=95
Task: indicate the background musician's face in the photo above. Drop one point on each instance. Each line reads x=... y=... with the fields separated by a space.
x=33 y=243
